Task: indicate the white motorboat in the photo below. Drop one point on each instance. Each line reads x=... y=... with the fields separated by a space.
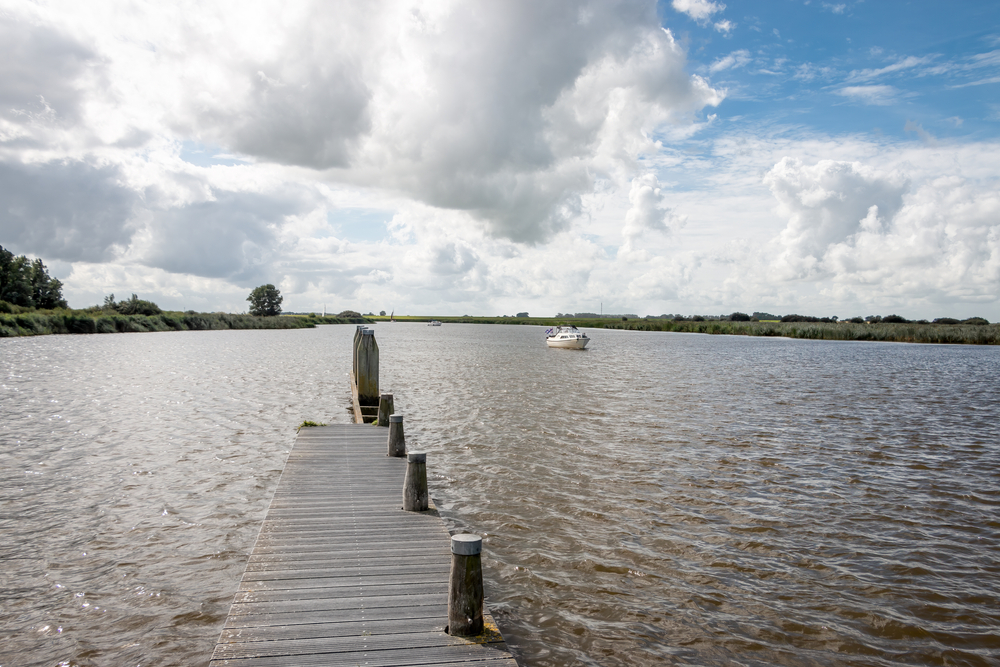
x=568 y=337
x=433 y=323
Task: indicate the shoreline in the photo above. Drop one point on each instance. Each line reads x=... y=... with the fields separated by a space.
x=40 y=323
x=911 y=332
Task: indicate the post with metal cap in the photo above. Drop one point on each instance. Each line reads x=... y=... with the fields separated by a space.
x=465 y=587
x=385 y=408
x=415 y=482
x=397 y=444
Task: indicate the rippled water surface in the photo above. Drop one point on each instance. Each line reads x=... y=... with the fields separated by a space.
x=656 y=499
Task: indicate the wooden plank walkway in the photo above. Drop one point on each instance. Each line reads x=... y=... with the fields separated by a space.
x=341 y=575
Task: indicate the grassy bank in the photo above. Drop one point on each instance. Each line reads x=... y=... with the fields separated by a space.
x=30 y=322
x=965 y=334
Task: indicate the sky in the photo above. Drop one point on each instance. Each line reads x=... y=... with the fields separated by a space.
x=494 y=157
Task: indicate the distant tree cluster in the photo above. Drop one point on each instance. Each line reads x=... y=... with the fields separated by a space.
x=807 y=318
x=26 y=283
x=131 y=306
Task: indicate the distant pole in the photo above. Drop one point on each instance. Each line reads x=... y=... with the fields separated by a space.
x=465 y=586
x=385 y=408
x=415 y=483
x=397 y=444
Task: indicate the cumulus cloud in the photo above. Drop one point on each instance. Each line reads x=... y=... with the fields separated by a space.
x=42 y=75
x=506 y=111
x=826 y=205
x=647 y=212
x=699 y=10
x=865 y=234
x=234 y=236
x=65 y=210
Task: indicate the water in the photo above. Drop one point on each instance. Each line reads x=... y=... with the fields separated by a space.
x=657 y=499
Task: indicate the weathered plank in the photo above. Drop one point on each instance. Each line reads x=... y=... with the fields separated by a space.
x=341 y=575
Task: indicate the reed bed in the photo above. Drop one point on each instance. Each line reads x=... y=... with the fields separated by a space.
x=911 y=332
x=41 y=322
x=964 y=334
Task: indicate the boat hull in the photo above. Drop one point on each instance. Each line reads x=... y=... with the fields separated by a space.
x=568 y=344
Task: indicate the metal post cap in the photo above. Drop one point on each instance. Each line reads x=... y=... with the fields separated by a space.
x=416 y=457
x=385 y=395
x=367 y=332
x=398 y=419
x=466 y=544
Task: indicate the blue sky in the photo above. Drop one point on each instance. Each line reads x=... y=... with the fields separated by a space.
x=930 y=64
x=686 y=156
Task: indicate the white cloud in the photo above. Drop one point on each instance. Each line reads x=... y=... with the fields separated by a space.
x=871 y=95
x=725 y=26
x=909 y=62
x=699 y=10
x=825 y=205
x=735 y=59
x=647 y=212
x=506 y=113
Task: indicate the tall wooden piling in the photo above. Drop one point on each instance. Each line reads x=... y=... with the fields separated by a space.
x=364 y=376
x=367 y=373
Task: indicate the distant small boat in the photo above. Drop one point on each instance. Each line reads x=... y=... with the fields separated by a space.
x=433 y=323
x=569 y=338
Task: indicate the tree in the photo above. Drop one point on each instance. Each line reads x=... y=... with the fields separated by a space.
x=265 y=301
x=46 y=291
x=27 y=283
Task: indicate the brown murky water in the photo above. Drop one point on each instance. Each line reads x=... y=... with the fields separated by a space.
x=656 y=499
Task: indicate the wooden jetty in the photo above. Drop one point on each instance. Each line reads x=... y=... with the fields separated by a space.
x=341 y=575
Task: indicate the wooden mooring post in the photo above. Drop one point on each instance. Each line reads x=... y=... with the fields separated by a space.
x=386 y=407
x=396 y=440
x=415 y=497
x=465 y=586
